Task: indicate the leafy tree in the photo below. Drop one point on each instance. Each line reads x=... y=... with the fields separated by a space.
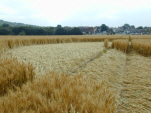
x=15 y=30
x=140 y=27
x=60 y=31
x=40 y=31
x=58 y=26
x=5 y=25
x=110 y=31
x=104 y=27
x=76 y=31
x=126 y=25
x=50 y=31
x=69 y=32
x=5 y=31
x=133 y=26
x=22 y=33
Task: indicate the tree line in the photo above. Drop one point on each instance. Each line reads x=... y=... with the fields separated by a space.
x=6 y=29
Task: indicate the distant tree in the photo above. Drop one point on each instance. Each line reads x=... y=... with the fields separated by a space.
x=133 y=26
x=104 y=27
x=69 y=32
x=40 y=31
x=5 y=25
x=22 y=33
x=60 y=31
x=5 y=31
x=50 y=30
x=76 y=31
x=58 y=26
x=140 y=27
x=17 y=30
x=28 y=30
x=33 y=30
x=126 y=25
x=110 y=31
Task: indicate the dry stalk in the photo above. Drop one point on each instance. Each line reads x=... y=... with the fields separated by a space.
x=13 y=73
x=142 y=46
x=106 y=43
x=60 y=94
x=121 y=45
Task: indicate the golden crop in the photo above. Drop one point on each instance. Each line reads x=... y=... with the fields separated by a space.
x=9 y=42
x=54 y=93
x=13 y=73
x=50 y=92
x=92 y=80
x=142 y=46
x=120 y=45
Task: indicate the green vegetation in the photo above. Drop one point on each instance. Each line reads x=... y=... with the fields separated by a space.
x=140 y=27
x=104 y=28
x=62 y=31
x=6 y=29
x=15 y=24
x=22 y=33
x=76 y=31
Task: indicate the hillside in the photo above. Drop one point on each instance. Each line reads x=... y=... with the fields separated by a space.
x=15 y=23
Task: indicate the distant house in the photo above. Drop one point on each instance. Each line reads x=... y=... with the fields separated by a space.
x=116 y=30
x=104 y=32
x=121 y=28
x=90 y=30
x=133 y=31
x=83 y=28
x=95 y=30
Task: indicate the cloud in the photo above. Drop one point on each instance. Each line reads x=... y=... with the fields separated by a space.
x=76 y=12
x=111 y=14
x=6 y=10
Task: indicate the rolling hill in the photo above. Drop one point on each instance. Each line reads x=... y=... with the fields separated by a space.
x=15 y=23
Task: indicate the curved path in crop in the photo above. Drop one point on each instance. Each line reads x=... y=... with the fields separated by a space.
x=64 y=57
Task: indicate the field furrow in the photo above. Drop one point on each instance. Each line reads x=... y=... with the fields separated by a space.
x=136 y=82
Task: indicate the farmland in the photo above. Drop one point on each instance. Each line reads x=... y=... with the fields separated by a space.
x=75 y=74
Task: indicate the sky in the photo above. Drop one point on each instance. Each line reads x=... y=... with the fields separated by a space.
x=76 y=13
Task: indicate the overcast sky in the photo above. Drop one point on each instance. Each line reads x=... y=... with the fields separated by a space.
x=113 y=13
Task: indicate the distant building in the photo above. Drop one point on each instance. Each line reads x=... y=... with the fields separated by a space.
x=90 y=30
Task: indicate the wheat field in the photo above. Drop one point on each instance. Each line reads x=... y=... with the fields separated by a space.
x=58 y=57
x=142 y=46
x=121 y=45
x=76 y=74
